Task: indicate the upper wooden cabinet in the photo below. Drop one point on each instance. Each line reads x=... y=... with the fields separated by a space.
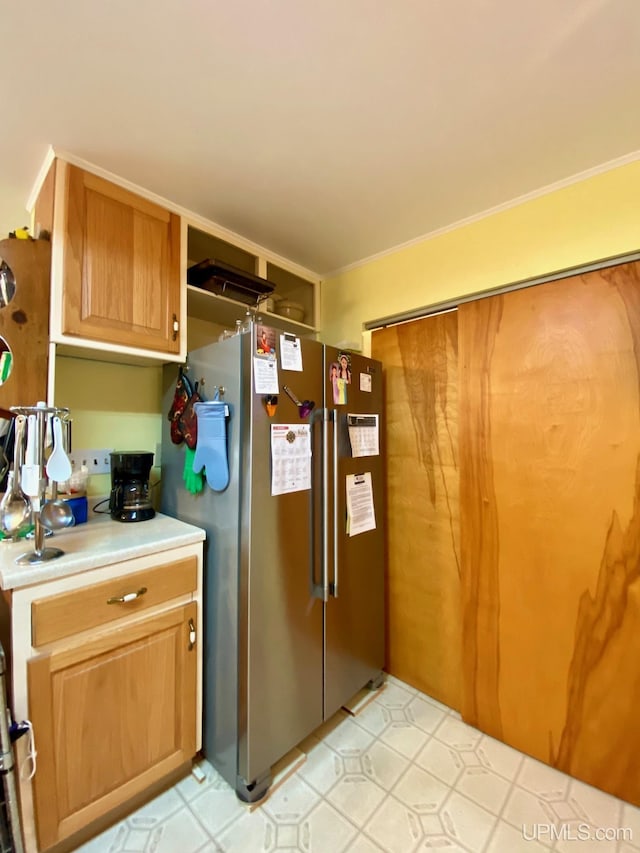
x=120 y=266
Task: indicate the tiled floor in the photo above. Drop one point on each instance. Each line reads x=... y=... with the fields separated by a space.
x=402 y=775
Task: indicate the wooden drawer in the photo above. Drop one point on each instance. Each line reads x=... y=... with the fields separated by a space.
x=71 y=612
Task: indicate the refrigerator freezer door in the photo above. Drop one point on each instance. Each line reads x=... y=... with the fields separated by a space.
x=218 y=513
x=281 y=621
x=354 y=620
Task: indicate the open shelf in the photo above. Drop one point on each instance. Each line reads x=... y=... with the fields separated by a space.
x=216 y=307
x=224 y=311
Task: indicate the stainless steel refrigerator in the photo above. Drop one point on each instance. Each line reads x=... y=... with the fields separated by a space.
x=293 y=604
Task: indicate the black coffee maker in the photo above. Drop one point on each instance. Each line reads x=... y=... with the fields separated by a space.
x=129 y=499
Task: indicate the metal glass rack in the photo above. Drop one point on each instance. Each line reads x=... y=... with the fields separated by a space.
x=42 y=412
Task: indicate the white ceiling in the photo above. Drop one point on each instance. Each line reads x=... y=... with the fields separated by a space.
x=325 y=131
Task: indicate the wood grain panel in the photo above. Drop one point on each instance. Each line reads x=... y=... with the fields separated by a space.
x=423 y=585
x=24 y=322
x=550 y=522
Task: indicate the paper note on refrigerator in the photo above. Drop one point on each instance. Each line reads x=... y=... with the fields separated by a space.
x=361 y=514
x=364 y=435
x=290 y=458
x=265 y=374
x=290 y=352
x=365 y=382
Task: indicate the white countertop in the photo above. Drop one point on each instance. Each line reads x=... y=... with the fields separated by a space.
x=99 y=542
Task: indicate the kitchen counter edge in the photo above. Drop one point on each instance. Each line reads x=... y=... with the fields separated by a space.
x=100 y=542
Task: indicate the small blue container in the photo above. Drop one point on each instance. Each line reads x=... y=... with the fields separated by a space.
x=79 y=508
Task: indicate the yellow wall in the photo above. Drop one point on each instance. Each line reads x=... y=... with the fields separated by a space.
x=113 y=406
x=596 y=218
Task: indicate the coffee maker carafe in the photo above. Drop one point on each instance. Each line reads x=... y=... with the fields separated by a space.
x=129 y=499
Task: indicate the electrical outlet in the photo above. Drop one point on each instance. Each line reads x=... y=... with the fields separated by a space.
x=97 y=461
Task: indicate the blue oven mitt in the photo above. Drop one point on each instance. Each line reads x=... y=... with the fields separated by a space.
x=211 y=449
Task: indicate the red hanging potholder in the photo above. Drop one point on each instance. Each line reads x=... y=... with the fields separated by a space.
x=181 y=398
x=188 y=421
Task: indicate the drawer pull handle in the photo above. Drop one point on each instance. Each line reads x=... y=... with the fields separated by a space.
x=192 y=634
x=130 y=596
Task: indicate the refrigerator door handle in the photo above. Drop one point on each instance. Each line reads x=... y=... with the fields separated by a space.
x=326 y=415
x=334 y=586
x=320 y=590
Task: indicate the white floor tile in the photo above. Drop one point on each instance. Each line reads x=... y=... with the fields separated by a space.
x=110 y=841
x=180 y=832
x=583 y=837
x=467 y=822
x=292 y=801
x=507 y=839
x=396 y=695
x=421 y=791
x=594 y=806
x=348 y=735
x=190 y=787
x=630 y=821
x=402 y=775
x=424 y=714
x=328 y=830
x=322 y=769
x=374 y=718
x=441 y=760
x=362 y=844
x=217 y=807
x=395 y=827
x=544 y=781
x=497 y=756
x=458 y=735
x=356 y=797
x=157 y=810
x=383 y=765
x=253 y=832
x=484 y=787
x=404 y=737
x=524 y=809
x=392 y=681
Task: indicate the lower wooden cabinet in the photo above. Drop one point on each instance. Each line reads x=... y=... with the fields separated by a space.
x=114 y=713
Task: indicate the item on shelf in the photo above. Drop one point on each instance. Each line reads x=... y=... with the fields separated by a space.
x=268 y=303
x=292 y=310
x=226 y=280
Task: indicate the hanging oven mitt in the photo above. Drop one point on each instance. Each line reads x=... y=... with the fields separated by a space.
x=181 y=397
x=211 y=450
x=187 y=422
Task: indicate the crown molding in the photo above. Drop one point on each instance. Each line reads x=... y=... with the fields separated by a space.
x=593 y=172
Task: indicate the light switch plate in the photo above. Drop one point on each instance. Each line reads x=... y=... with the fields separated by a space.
x=97 y=461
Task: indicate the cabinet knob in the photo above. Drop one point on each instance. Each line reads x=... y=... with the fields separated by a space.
x=130 y=596
x=176 y=327
x=192 y=634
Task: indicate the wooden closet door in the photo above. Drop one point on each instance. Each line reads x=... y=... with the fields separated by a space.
x=420 y=365
x=550 y=522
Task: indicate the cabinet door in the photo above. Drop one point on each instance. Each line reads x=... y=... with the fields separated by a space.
x=121 y=266
x=111 y=716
